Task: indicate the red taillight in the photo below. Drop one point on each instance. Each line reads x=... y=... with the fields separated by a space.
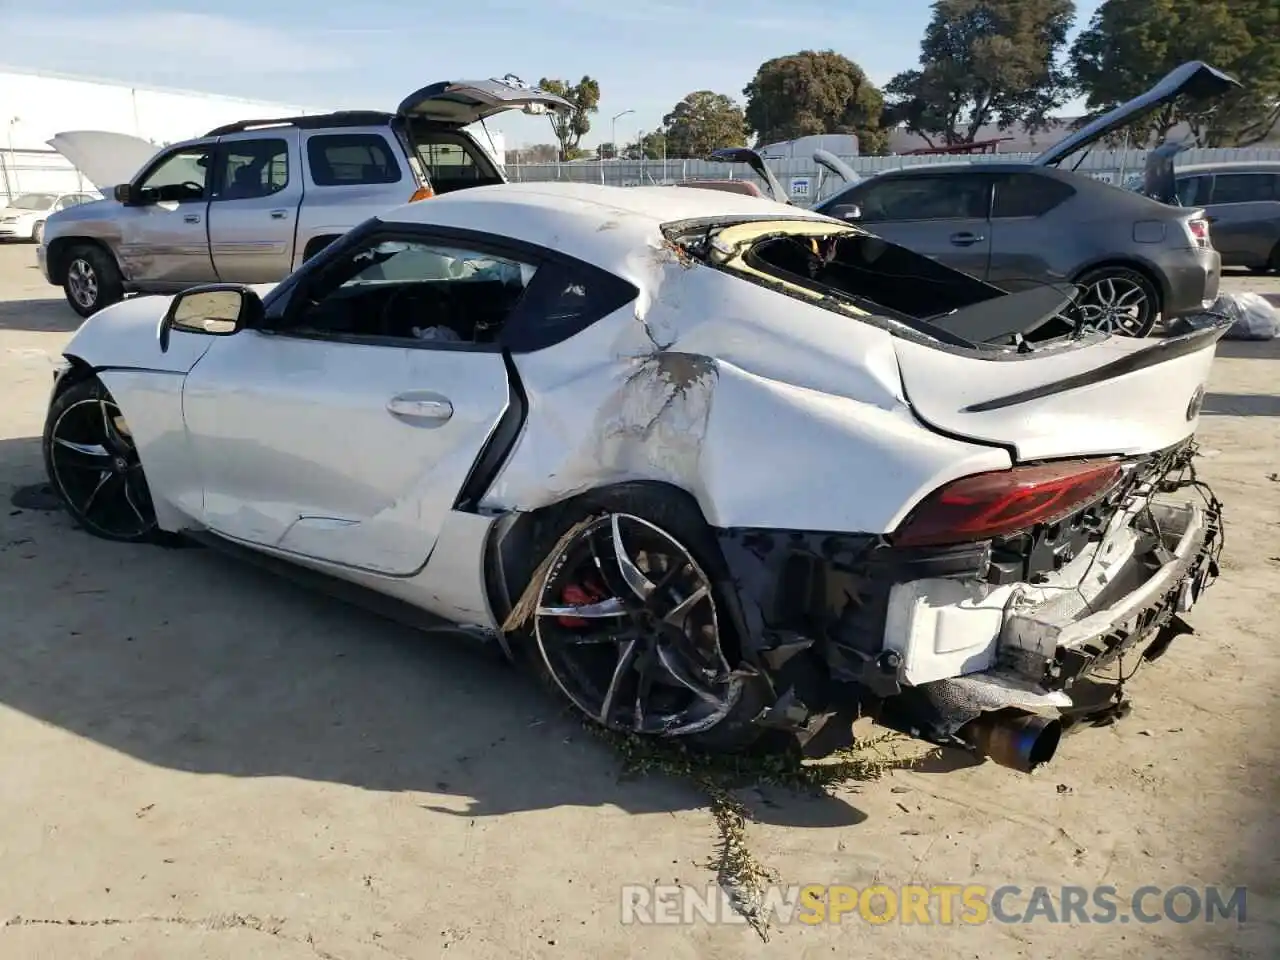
x=1199 y=230
x=989 y=505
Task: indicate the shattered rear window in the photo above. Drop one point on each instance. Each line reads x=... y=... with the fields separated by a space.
x=839 y=267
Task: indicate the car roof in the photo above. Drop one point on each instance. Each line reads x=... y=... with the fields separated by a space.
x=1231 y=166
x=1004 y=166
x=606 y=226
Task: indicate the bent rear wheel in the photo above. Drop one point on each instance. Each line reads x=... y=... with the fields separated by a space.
x=93 y=465
x=629 y=626
x=1117 y=300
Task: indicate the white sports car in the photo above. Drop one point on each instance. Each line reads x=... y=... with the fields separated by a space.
x=716 y=465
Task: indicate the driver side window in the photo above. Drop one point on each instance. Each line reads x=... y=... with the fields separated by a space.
x=415 y=291
x=180 y=177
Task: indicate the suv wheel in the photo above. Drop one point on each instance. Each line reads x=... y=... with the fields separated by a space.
x=92 y=280
x=37 y=232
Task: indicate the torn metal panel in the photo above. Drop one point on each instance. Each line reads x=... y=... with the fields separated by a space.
x=700 y=381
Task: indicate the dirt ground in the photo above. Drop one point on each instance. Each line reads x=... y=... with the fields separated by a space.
x=200 y=761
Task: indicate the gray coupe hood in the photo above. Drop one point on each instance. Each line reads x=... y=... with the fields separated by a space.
x=105 y=158
x=1195 y=79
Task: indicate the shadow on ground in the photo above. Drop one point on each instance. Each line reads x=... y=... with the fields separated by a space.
x=1241 y=405
x=43 y=316
x=187 y=659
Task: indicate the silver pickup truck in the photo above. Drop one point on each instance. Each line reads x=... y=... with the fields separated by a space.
x=248 y=202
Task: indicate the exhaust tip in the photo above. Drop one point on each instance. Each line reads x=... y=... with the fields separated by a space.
x=1014 y=738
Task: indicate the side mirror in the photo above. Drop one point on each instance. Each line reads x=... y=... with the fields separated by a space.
x=846 y=211
x=215 y=310
x=124 y=193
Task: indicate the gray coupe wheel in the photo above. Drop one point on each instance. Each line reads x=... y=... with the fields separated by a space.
x=629 y=628
x=93 y=465
x=37 y=232
x=1116 y=300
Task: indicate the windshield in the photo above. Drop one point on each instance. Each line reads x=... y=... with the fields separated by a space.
x=32 y=201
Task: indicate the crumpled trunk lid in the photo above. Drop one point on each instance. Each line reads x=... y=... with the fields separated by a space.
x=1116 y=395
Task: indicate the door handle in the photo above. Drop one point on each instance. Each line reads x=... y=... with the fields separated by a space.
x=966 y=239
x=279 y=214
x=420 y=408
x=191 y=218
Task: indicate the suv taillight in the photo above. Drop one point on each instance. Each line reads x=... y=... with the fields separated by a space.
x=422 y=193
x=989 y=505
x=1199 y=230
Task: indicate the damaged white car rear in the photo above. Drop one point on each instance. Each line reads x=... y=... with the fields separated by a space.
x=716 y=466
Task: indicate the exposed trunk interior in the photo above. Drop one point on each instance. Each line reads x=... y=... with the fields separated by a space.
x=449 y=160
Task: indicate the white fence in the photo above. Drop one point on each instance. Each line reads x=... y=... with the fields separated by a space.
x=27 y=171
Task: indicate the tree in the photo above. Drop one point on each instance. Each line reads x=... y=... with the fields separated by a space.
x=538 y=153
x=814 y=92
x=983 y=61
x=570 y=129
x=606 y=151
x=650 y=146
x=704 y=121
x=1130 y=44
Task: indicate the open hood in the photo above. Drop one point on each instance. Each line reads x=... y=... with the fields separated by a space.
x=462 y=102
x=756 y=163
x=834 y=164
x=1196 y=80
x=105 y=158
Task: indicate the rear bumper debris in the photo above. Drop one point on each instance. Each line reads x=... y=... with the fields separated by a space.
x=847 y=625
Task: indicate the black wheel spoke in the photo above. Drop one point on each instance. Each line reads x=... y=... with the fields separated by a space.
x=108 y=488
x=113 y=439
x=680 y=671
x=626 y=660
x=611 y=607
x=640 y=585
x=81 y=456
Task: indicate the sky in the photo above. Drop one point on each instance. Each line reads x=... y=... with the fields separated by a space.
x=646 y=54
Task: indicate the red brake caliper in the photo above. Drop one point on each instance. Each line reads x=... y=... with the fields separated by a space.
x=579 y=595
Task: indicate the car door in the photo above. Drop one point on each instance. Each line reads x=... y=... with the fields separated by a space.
x=1023 y=243
x=164 y=243
x=1244 y=217
x=337 y=438
x=253 y=209
x=941 y=215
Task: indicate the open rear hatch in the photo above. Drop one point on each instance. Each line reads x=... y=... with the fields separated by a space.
x=1099 y=396
x=458 y=103
x=1194 y=80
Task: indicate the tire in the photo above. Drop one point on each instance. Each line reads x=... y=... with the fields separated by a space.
x=37 y=232
x=644 y=513
x=91 y=279
x=94 y=468
x=1107 y=295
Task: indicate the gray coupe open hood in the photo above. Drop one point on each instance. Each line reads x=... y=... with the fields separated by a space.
x=1194 y=79
x=463 y=102
x=105 y=158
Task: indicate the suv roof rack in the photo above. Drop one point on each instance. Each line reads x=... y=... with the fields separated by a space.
x=340 y=118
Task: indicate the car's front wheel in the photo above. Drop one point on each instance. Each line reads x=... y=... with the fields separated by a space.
x=630 y=625
x=93 y=465
x=91 y=280
x=37 y=232
x=1118 y=300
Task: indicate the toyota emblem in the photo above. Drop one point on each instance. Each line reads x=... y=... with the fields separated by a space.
x=1195 y=403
